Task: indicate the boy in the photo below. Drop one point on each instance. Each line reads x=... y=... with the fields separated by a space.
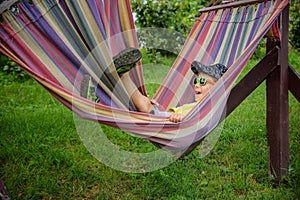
x=207 y=76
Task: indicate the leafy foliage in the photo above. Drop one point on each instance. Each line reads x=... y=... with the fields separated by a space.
x=178 y=15
x=173 y=20
x=10 y=71
x=295 y=24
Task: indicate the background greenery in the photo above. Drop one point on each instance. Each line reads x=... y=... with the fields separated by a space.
x=180 y=15
x=295 y=24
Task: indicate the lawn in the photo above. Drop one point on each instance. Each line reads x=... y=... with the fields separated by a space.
x=42 y=156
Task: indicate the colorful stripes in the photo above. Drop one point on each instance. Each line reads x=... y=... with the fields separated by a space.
x=58 y=42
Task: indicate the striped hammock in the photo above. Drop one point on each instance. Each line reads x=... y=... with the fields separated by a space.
x=58 y=41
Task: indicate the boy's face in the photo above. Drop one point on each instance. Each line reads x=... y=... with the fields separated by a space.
x=200 y=89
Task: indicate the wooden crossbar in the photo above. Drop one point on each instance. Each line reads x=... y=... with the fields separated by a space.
x=294 y=83
x=230 y=5
x=252 y=80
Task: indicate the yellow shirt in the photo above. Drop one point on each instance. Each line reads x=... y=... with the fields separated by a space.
x=184 y=109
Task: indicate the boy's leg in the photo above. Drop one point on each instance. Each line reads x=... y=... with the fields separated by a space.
x=141 y=102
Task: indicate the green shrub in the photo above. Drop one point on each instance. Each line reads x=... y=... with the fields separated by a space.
x=180 y=15
x=10 y=71
x=295 y=24
x=173 y=18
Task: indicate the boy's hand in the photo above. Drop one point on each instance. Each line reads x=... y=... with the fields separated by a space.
x=176 y=117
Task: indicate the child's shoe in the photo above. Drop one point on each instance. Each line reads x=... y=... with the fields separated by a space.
x=126 y=60
x=87 y=89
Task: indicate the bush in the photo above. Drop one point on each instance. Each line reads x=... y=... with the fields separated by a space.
x=173 y=18
x=180 y=15
x=295 y=24
x=10 y=71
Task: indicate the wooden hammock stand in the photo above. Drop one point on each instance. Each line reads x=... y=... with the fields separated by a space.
x=280 y=78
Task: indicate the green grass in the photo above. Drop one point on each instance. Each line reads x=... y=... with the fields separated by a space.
x=42 y=157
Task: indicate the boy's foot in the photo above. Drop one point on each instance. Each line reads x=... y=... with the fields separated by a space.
x=215 y=70
x=126 y=60
x=87 y=89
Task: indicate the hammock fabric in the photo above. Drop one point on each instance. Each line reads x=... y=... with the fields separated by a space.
x=57 y=42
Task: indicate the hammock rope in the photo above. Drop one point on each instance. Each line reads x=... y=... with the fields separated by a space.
x=58 y=42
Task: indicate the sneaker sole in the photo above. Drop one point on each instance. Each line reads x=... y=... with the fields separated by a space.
x=126 y=59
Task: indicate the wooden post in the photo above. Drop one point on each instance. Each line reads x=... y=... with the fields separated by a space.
x=3 y=192
x=277 y=106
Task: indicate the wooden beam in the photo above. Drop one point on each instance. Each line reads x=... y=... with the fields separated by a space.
x=252 y=80
x=277 y=108
x=230 y=5
x=3 y=191
x=294 y=83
